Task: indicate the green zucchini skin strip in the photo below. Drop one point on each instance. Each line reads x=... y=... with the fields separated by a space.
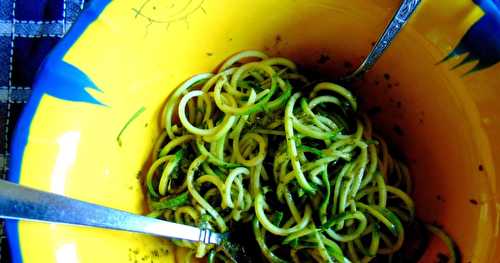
x=447 y=240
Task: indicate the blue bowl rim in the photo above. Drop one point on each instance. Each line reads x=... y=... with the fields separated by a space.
x=20 y=137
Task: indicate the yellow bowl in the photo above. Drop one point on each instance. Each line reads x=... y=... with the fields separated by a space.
x=91 y=123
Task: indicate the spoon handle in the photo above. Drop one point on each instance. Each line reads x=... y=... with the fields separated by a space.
x=19 y=202
x=403 y=14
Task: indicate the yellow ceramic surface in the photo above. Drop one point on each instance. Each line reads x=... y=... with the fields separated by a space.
x=123 y=58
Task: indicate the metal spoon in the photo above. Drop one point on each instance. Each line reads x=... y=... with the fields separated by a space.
x=23 y=203
x=398 y=21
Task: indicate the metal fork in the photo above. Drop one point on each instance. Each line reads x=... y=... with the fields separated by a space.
x=19 y=202
x=398 y=21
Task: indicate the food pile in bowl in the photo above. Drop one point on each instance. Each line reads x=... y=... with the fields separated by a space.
x=258 y=147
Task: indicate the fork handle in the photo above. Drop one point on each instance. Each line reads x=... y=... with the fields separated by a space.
x=19 y=202
x=402 y=15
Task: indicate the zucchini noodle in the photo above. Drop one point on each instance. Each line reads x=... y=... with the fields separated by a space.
x=300 y=168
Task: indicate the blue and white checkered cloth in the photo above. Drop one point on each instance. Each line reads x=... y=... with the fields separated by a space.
x=28 y=31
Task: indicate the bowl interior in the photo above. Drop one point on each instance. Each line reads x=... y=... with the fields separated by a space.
x=94 y=146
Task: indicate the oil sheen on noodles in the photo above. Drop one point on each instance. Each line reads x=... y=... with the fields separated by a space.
x=258 y=145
